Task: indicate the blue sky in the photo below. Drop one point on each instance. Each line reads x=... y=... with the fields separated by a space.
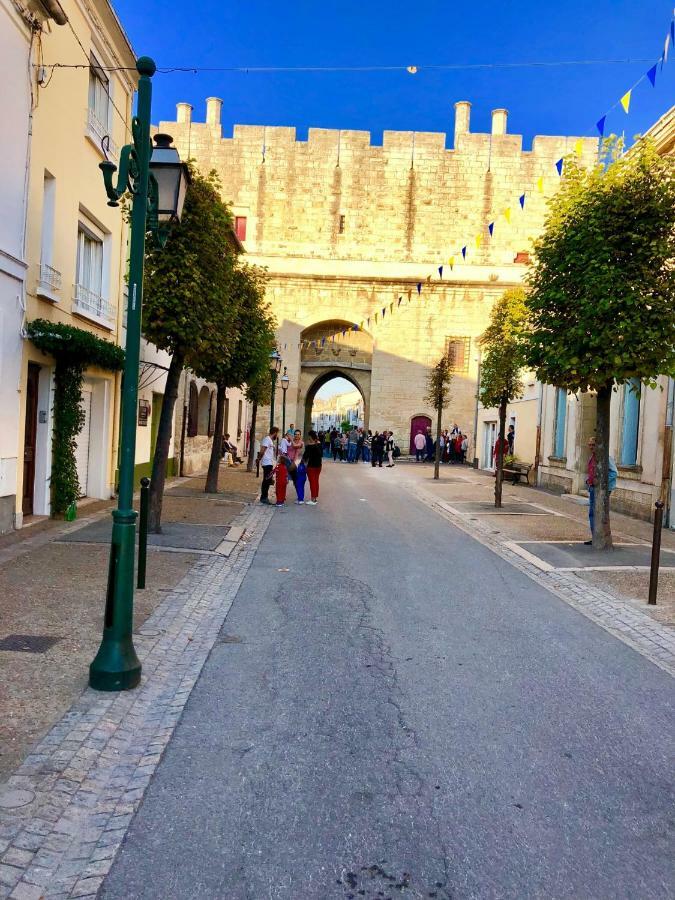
x=372 y=32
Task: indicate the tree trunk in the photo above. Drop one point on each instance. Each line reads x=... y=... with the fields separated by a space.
x=602 y=532
x=499 y=474
x=158 y=476
x=251 y=438
x=217 y=443
x=437 y=460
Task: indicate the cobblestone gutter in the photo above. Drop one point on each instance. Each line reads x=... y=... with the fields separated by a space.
x=637 y=629
x=82 y=783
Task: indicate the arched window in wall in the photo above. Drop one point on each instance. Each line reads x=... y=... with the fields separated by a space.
x=212 y=414
x=193 y=405
x=203 y=411
x=560 y=423
x=630 y=423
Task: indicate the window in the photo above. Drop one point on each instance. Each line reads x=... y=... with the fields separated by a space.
x=240 y=414
x=49 y=280
x=560 y=423
x=522 y=258
x=212 y=415
x=99 y=100
x=240 y=227
x=457 y=349
x=341 y=225
x=89 y=274
x=631 y=423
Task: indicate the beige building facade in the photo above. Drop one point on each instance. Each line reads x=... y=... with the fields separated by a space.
x=76 y=245
x=345 y=228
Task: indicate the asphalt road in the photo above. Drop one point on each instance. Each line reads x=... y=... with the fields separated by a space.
x=402 y=714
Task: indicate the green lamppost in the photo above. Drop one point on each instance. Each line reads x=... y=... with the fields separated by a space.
x=157 y=181
x=275 y=368
x=285 y=380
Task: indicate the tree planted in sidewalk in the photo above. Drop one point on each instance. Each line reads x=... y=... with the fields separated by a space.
x=248 y=352
x=601 y=293
x=500 y=375
x=186 y=310
x=438 y=396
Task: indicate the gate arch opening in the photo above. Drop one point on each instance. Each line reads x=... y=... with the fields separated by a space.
x=310 y=419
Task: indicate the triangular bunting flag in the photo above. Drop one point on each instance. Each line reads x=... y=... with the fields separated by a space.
x=440 y=271
x=368 y=322
x=479 y=240
x=507 y=213
x=666 y=47
x=399 y=301
x=383 y=312
x=391 y=307
x=428 y=279
x=578 y=147
x=451 y=263
x=376 y=318
x=409 y=296
x=540 y=184
x=600 y=125
x=463 y=252
x=625 y=101
x=559 y=165
x=491 y=228
x=419 y=287
x=651 y=74
x=521 y=200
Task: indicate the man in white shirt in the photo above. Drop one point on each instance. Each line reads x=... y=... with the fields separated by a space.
x=266 y=459
x=420 y=446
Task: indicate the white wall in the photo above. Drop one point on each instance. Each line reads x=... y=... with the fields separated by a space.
x=14 y=45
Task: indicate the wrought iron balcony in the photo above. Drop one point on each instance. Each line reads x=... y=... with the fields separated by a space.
x=49 y=282
x=92 y=305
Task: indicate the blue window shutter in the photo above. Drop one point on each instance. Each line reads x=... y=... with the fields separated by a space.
x=631 y=422
x=560 y=422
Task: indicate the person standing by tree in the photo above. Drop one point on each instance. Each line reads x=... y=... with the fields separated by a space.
x=438 y=395
x=312 y=459
x=420 y=444
x=266 y=460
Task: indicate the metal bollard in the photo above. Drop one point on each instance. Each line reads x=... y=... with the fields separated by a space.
x=656 y=554
x=143 y=532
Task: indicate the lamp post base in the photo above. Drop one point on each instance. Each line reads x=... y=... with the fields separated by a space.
x=116 y=666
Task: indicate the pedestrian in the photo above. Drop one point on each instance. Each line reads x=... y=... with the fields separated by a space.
x=389 y=448
x=300 y=479
x=360 y=443
x=429 y=445
x=591 y=482
x=511 y=438
x=367 y=444
x=344 y=444
x=377 y=449
x=312 y=459
x=420 y=445
x=352 y=443
x=266 y=460
x=495 y=450
x=464 y=448
x=337 y=446
x=281 y=480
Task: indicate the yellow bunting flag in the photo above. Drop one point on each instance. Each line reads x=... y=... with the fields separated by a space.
x=625 y=101
x=361 y=327
x=579 y=147
x=409 y=296
x=479 y=240
x=451 y=263
x=540 y=184
x=376 y=315
x=391 y=307
x=507 y=213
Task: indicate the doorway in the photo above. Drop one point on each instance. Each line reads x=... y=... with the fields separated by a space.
x=417 y=424
x=82 y=443
x=30 y=438
x=489 y=439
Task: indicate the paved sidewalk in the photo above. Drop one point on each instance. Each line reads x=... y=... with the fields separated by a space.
x=85 y=779
x=623 y=618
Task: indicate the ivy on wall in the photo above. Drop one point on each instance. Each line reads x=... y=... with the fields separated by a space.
x=73 y=349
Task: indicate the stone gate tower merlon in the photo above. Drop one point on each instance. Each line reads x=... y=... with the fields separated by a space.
x=409 y=199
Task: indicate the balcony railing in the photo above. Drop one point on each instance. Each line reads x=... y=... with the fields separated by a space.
x=49 y=282
x=98 y=131
x=92 y=305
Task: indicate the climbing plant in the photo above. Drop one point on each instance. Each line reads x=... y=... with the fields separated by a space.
x=73 y=349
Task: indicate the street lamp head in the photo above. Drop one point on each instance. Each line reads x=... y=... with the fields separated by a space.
x=285 y=380
x=275 y=361
x=172 y=178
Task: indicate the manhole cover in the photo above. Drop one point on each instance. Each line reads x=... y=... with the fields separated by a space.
x=13 y=798
x=28 y=643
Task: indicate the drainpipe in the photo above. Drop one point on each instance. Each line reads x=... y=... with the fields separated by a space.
x=537 y=448
x=475 y=415
x=667 y=466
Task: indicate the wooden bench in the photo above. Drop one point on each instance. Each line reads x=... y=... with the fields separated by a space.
x=517 y=470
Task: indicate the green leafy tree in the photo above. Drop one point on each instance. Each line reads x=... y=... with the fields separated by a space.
x=186 y=310
x=248 y=352
x=601 y=294
x=500 y=376
x=438 y=396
